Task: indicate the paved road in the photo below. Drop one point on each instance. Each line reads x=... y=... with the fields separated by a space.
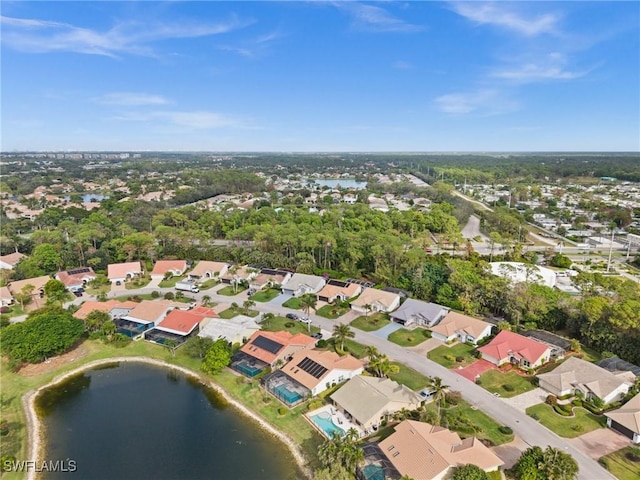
x=529 y=430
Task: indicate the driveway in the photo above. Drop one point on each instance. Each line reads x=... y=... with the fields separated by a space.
x=426 y=346
x=154 y=283
x=527 y=399
x=477 y=368
x=387 y=330
x=510 y=452
x=280 y=299
x=600 y=442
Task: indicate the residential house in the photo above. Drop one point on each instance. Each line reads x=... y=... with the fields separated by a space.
x=576 y=375
x=418 y=313
x=422 y=451
x=76 y=278
x=162 y=267
x=37 y=293
x=206 y=270
x=236 y=330
x=369 y=400
x=626 y=419
x=8 y=262
x=309 y=373
x=510 y=347
x=121 y=272
x=146 y=315
x=377 y=300
x=239 y=274
x=6 y=298
x=178 y=326
x=269 y=349
x=114 y=308
x=269 y=277
x=456 y=326
x=337 y=290
x=301 y=283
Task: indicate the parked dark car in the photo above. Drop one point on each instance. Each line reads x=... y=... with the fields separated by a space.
x=317 y=335
x=292 y=316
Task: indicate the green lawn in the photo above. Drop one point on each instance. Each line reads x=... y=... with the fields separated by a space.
x=468 y=421
x=354 y=348
x=230 y=291
x=265 y=295
x=332 y=312
x=15 y=311
x=409 y=338
x=293 y=302
x=208 y=284
x=569 y=427
x=446 y=356
x=372 y=322
x=137 y=283
x=409 y=377
x=278 y=324
x=142 y=296
x=495 y=381
x=624 y=464
x=170 y=283
x=235 y=311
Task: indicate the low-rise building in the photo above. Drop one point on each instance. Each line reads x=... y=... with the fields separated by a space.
x=418 y=313
x=456 y=326
x=337 y=290
x=76 y=278
x=8 y=262
x=162 y=267
x=236 y=330
x=301 y=284
x=374 y=300
x=576 y=375
x=510 y=347
x=121 y=272
x=626 y=419
x=206 y=270
x=269 y=277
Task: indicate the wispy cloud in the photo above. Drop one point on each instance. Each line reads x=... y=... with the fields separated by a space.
x=375 y=19
x=551 y=67
x=131 y=99
x=133 y=38
x=402 y=65
x=197 y=120
x=244 y=52
x=504 y=15
x=483 y=102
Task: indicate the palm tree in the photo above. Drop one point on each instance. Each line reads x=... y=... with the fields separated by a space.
x=382 y=366
x=246 y=306
x=341 y=332
x=371 y=352
x=439 y=392
x=206 y=299
x=267 y=317
x=367 y=308
x=308 y=301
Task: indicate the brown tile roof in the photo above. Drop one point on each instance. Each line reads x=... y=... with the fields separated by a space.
x=508 y=343
x=423 y=451
x=372 y=295
x=284 y=338
x=76 y=276
x=37 y=282
x=331 y=291
x=161 y=267
x=5 y=293
x=12 y=258
x=120 y=270
x=205 y=266
x=150 y=311
x=89 y=306
x=455 y=321
x=328 y=359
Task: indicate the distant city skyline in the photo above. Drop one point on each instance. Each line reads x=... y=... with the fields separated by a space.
x=321 y=76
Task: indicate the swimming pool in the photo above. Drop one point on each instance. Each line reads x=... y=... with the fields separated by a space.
x=373 y=472
x=323 y=421
x=283 y=393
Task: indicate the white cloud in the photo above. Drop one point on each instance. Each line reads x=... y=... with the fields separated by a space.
x=375 y=19
x=550 y=67
x=41 y=36
x=196 y=120
x=132 y=99
x=484 y=102
x=504 y=15
x=402 y=65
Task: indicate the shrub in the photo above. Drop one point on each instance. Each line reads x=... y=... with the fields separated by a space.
x=551 y=400
x=576 y=403
x=282 y=410
x=477 y=354
x=564 y=410
x=155 y=294
x=505 y=429
x=321 y=343
x=452 y=397
x=459 y=359
x=240 y=380
x=289 y=324
x=535 y=416
x=5 y=309
x=508 y=387
x=169 y=296
x=576 y=427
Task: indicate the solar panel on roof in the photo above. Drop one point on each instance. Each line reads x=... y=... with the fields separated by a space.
x=312 y=368
x=267 y=344
x=77 y=271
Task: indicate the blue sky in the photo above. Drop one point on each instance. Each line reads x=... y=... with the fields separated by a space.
x=321 y=76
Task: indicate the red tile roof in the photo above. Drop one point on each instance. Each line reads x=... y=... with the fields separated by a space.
x=163 y=266
x=180 y=321
x=120 y=270
x=76 y=276
x=283 y=338
x=509 y=343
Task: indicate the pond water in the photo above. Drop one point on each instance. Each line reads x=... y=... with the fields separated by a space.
x=140 y=421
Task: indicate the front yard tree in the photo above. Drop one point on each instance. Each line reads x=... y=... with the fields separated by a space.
x=342 y=332
x=469 y=472
x=218 y=356
x=438 y=394
x=95 y=321
x=197 y=347
x=308 y=302
x=55 y=291
x=550 y=464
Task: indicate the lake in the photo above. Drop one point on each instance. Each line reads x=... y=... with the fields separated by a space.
x=343 y=183
x=139 y=421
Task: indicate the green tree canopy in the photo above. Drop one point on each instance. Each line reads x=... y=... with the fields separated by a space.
x=217 y=357
x=469 y=472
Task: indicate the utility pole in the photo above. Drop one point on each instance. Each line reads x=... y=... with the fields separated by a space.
x=610 y=249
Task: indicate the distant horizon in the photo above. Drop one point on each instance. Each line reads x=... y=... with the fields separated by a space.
x=333 y=152
x=344 y=76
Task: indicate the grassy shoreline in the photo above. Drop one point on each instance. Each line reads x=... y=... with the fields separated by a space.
x=19 y=392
